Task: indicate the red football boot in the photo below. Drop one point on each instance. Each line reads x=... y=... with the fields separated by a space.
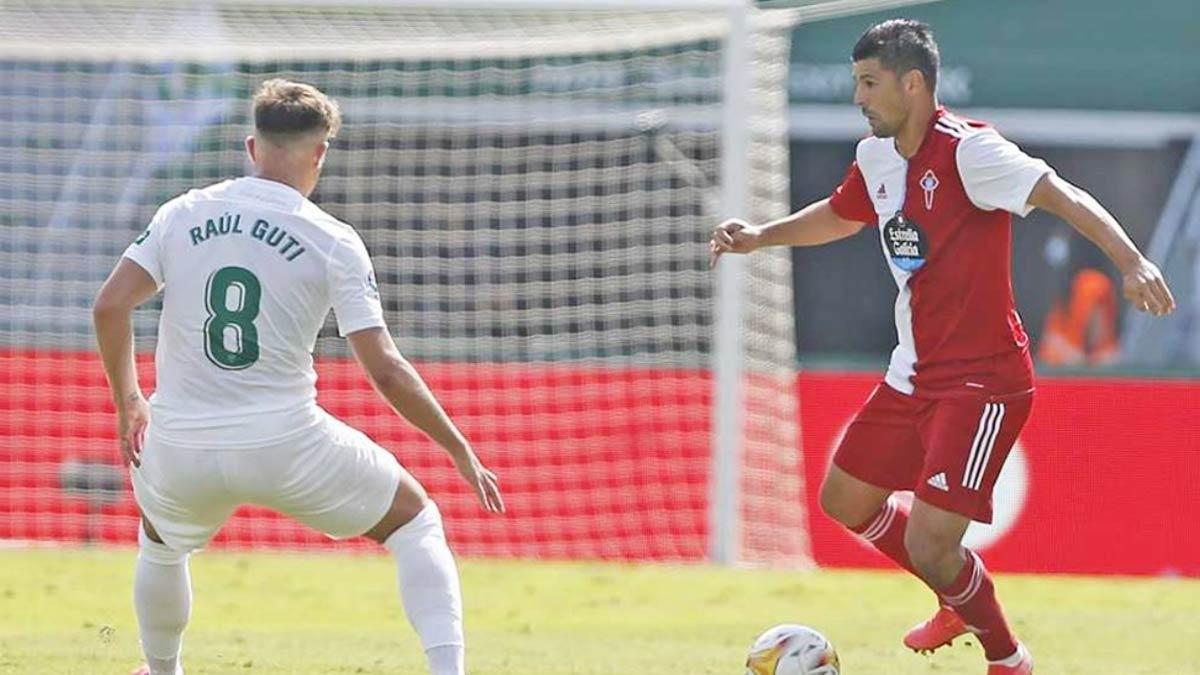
x=937 y=632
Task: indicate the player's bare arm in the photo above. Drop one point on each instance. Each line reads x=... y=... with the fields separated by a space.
x=813 y=225
x=112 y=315
x=401 y=385
x=1144 y=284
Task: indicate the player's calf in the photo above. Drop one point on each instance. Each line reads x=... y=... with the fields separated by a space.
x=938 y=563
x=933 y=540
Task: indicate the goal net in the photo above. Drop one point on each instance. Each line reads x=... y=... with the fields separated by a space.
x=536 y=187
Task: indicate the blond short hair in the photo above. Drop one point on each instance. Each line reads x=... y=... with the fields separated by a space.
x=285 y=110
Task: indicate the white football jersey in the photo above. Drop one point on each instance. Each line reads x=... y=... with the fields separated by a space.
x=249 y=269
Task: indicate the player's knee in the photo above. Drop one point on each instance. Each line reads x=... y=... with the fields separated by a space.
x=156 y=552
x=408 y=502
x=839 y=505
x=830 y=502
x=426 y=523
x=428 y=519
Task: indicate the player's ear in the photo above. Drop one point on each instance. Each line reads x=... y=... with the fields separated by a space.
x=250 y=148
x=914 y=82
x=322 y=153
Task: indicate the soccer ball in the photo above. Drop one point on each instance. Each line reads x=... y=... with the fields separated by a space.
x=792 y=650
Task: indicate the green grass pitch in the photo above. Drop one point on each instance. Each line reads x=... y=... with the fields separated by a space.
x=70 y=611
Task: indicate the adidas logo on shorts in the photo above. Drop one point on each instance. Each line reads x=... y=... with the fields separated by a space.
x=939 y=481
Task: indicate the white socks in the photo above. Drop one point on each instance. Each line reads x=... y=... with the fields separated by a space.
x=430 y=589
x=1016 y=658
x=162 y=597
x=447 y=659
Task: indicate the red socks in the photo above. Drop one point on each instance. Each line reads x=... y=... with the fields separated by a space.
x=886 y=532
x=973 y=596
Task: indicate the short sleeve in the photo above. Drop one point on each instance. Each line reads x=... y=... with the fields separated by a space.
x=997 y=174
x=353 y=288
x=850 y=200
x=147 y=249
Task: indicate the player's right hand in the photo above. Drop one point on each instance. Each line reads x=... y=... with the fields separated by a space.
x=484 y=482
x=732 y=236
x=132 y=419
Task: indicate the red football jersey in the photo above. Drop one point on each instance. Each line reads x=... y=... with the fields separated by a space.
x=944 y=220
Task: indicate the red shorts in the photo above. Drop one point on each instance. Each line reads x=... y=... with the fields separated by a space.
x=948 y=451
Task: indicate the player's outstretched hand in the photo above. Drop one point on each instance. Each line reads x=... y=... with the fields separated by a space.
x=1146 y=288
x=132 y=420
x=484 y=482
x=732 y=236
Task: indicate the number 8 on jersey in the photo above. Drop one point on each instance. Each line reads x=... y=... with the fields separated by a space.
x=236 y=322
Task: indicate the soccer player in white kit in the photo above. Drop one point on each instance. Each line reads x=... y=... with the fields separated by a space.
x=249 y=269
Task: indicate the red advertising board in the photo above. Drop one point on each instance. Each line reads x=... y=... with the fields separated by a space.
x=613 y=463
x=1106 y=478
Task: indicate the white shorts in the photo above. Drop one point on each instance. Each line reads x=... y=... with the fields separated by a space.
x=333 y=479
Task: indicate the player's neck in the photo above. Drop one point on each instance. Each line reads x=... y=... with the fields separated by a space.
x=300 y=184
x=912 y=134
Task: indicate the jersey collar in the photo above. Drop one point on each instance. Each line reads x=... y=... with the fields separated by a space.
x=938 y=114
x=271 y=192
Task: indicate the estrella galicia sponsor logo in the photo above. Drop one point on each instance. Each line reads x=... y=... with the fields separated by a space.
x=905 y=243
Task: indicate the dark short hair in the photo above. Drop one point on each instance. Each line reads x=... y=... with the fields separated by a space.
x=901 y=45
x=284 y=109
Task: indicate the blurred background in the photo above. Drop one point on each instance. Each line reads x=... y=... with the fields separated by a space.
x=537 y=181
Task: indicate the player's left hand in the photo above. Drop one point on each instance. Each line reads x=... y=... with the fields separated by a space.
x=132 y=419
x=1146 y=288
x=485 y=483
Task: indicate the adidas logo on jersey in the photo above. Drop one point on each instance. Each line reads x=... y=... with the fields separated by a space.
x=939 y=481
x=881 y=193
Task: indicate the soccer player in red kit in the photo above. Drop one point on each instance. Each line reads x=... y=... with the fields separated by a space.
x=940 y=189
